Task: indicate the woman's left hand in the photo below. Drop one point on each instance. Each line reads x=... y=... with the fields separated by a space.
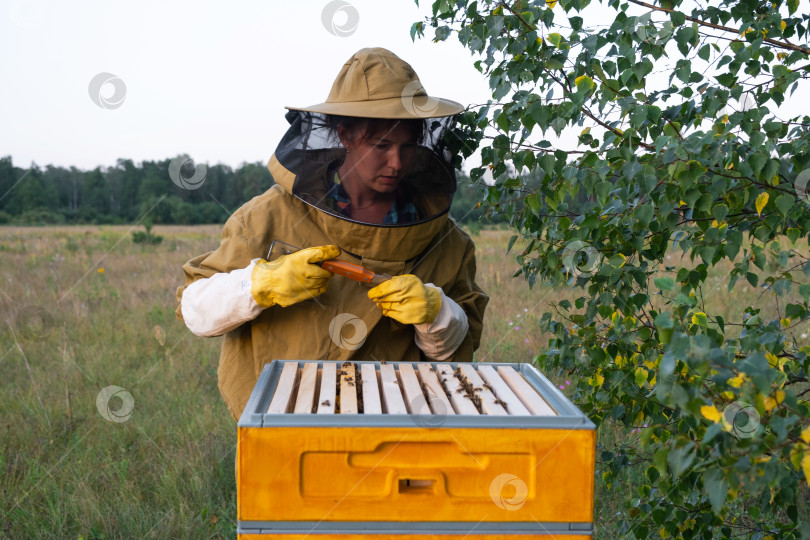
x=407 y=300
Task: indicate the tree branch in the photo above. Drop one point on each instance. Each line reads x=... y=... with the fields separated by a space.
x=780 y=44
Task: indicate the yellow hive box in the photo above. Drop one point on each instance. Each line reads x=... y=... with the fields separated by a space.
x=405 y=450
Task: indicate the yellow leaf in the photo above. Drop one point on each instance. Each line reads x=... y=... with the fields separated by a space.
x=552 y=3
x=769 y=403
x=724 y=120
x=773 y=361
x=782 y=25
x=711 y=412
x=585 y=131
x=728 y=394
x=780 y=396
x=653 y=364
x=806 y=434
x=806 y=467
x=786 y=322
x=736 y=382
x=762 y=200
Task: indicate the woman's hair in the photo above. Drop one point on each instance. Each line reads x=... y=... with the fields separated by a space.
x=367 y=127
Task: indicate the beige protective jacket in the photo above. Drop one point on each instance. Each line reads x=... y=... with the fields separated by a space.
x=437 y=251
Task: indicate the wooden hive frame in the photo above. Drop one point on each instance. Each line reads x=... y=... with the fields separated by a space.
x=368 y=388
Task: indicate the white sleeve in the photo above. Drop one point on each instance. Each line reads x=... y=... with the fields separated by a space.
x=218 y=304
x=440 y=339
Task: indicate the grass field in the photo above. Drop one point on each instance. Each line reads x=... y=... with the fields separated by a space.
x=84 y=308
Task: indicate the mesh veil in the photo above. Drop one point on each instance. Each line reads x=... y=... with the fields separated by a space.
x=311 y=151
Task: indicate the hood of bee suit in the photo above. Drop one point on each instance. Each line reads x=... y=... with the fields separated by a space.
x=306 y=159
x=373 y=83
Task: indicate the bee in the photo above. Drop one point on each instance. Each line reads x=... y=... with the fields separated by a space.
x=488 y=387
x=501 y=403
x=325 y=403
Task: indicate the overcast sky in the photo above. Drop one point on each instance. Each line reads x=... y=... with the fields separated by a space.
x=209 y=78
x=205 y=78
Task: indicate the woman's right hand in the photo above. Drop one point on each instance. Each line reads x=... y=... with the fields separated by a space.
x=291 y=278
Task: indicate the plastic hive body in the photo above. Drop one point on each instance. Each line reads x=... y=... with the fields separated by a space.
x=412 y=450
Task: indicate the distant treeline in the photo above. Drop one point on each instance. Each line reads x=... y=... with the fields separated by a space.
x=127 y=192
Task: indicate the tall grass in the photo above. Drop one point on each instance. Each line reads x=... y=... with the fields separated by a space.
x=84 y=308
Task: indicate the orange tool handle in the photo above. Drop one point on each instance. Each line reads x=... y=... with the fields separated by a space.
x=349 y=270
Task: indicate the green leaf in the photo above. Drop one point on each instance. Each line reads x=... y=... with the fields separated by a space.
x=700 y=319
x=511 y=243
x=664 y=283
x=716 y=486
x=679 y=459
x=804 y=290
x=784 y=203
x=584 y=84
x=660 y=460
x=677 y=18
x=503 y=122
x=644 y=213
x=793 y=5
x=719 y=211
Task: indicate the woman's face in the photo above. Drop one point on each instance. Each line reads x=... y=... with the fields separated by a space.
x=377 y=161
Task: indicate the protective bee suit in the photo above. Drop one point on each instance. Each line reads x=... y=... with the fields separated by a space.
x=342 y=323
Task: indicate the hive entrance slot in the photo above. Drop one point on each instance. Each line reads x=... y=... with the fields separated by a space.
x=411 y=486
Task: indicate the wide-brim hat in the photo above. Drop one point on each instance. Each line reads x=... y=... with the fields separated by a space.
x=376 y=83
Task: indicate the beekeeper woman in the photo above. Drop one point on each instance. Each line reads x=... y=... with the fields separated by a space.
x=363 y=178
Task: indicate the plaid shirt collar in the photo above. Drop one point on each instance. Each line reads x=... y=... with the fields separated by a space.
x=401 y=211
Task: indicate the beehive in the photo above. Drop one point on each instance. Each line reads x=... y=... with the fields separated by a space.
x=402 y=450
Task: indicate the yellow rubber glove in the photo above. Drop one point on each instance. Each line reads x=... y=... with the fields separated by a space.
x=291 y=278
x=407 y=300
